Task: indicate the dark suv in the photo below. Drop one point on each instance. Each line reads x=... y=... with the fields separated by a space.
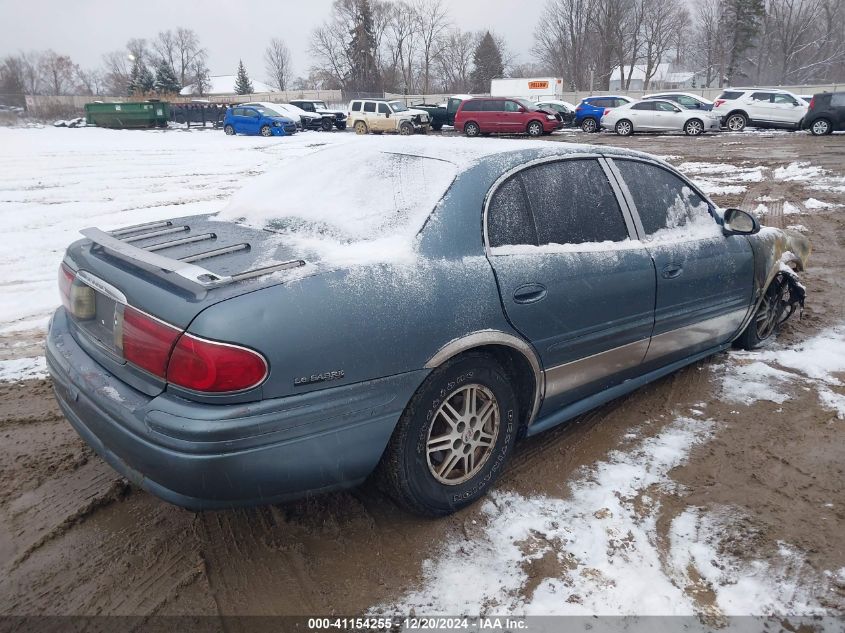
x=826 y=113
x=320 y=107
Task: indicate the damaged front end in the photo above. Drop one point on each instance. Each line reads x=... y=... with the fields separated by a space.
x=779 y=255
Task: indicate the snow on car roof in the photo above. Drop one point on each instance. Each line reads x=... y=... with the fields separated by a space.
x=362 y=201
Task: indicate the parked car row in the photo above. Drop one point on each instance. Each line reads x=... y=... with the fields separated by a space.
x=281 y=119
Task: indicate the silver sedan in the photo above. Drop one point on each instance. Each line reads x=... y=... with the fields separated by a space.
x=658 y=115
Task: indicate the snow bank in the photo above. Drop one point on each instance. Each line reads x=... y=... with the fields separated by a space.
x=769 y=374
x=19 y=369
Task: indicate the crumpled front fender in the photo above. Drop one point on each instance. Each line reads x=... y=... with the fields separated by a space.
x=773 y=247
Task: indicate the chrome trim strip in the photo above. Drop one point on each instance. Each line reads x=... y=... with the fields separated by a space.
x=191 y=239
x=234 y=248
x=150 y=234
x=577 y=373
x=138 y=227
x=719 y=329
x=495 y=337
x=101 y=286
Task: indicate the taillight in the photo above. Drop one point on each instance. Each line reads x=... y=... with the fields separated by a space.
x=718 y=102
x=812 y=103
x=66 y=277
x=606 y=110
x=202 y=365
x=147 y=342
x=77 y=298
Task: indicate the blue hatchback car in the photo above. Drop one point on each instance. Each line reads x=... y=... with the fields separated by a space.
x=257 y=120
x=589 y=112
x=413 y=316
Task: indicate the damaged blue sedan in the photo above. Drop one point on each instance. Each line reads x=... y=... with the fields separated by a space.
x=412 y=317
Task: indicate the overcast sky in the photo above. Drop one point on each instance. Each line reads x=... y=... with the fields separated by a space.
x=85 y=29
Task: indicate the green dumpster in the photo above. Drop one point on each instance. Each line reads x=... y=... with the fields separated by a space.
x=140 y=114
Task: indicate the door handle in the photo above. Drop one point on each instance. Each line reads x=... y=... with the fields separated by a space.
x=529 y=293
x=672 y=271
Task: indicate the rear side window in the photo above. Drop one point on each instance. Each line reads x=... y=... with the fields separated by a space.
x=730 y=95
x=494 y=105
x=761 y=96
x=472 y=106
x=509 y=219
x=573 y=203
x=369 y=106
x=837 y=99
x=645 y=105
x=356 y=106
x=668 y=207
x=600 y=103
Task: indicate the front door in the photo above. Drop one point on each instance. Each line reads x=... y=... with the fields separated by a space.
x=668 y=116
x=704 y=278
x=642 y=115
x=571 y=279
x=383 y=122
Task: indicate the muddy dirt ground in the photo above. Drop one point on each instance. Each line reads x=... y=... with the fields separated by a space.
x=77 y=539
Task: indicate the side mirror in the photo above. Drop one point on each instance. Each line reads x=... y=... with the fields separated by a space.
x=387 y=114
x=739 y=222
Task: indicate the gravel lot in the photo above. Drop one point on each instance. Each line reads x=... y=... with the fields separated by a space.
x=715 y=491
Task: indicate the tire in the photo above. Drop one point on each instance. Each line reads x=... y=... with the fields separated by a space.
x=624 y=127
x=767 y=319
x=340 y=126
x=360 y=127
x=736 y=122
x=326 y=125
x=434 y=481
x=266 y=131
x=472 y=129
x=590 y=125
x=230 y=131
x=820 y=127
x=534 y=128
x=694 y=127
x=406 y=129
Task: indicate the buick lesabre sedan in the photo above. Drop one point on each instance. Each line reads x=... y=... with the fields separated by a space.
x=413 y=319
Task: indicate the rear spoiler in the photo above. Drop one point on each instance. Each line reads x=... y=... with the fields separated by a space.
x=119 y=243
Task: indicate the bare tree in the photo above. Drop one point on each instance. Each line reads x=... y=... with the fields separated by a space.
x=562 y=35
x=659 y=26
x=89 y=82
x=432 y=21
x=117 y=68
x=187 y=53
x=57 y=72
x=277 y=64
x=454 y=64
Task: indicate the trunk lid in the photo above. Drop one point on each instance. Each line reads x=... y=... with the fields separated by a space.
x=171 y=270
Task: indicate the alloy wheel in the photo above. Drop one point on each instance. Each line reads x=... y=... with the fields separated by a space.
x=589 y=125
x=694 y=127
x=462 y=434
x=736 y=123
x=820 y=127
x=769 y=314
x=266 y=131
x=623 y=128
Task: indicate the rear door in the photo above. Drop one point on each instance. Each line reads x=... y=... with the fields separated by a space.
x=492 y=115
x=704 y=278
x=570 y=278
x=759 y=106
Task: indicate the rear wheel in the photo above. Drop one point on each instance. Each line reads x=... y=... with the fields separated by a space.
x=360 y=127
x=340 y=125
x=820 y=127
x=406 y=129
x=624 y=128
x=736 y=122
x=693 y=127
x=266 y=131
x=589 y=125
x=472 y=129
x=326 y=125
x=454 y=437
x=230 y=131
x=535 y=128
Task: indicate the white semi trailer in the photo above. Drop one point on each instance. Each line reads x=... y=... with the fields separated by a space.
x=533 y=88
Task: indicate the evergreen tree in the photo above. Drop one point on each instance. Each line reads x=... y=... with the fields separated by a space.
x=141 y=80
x=361 y=51
x=166 y=81
x=487 y=62
x=744 y=18
x=243 y=86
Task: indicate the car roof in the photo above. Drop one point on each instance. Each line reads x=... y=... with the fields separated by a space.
x=655 y=95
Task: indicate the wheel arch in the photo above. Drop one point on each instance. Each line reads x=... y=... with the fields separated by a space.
x=514 y=354
x=738 y=111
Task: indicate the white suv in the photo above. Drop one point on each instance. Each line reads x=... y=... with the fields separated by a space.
x=380 y=115
x=764 y=107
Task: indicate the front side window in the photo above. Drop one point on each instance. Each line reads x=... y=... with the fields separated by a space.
x=784 y=99
x=383 y=109
x=687 y=102
x=668 y=207
x=511 y=106
x=663 y=106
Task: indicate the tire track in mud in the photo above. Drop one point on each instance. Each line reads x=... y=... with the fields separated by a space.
x=128 y=558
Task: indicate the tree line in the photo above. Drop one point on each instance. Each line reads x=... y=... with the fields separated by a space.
x=415 y=47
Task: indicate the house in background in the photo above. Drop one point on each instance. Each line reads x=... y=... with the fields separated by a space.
x=222 y=85
x=663 y=79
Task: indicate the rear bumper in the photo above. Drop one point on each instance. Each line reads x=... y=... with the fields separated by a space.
x=216 y=456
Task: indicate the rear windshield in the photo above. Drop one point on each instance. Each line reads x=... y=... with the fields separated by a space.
x=384 y=196
x=730 y=95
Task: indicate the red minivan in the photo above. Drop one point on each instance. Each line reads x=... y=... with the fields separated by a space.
x=497 y=115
